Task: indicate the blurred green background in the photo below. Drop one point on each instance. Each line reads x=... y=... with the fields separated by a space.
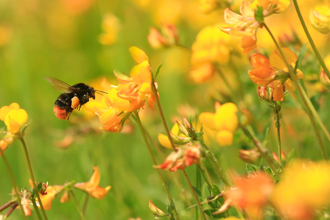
x=59 y=38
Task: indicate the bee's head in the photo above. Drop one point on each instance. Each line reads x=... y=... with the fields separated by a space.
x=91 y=92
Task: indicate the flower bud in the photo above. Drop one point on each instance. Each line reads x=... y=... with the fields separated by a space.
x=320 y=19
x=192 y=155
x=182 y=128
x=155 y=210
x=180 y=140
x=249 y=156
x=325 y=80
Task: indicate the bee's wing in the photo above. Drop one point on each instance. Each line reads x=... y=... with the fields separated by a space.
x=60 y=85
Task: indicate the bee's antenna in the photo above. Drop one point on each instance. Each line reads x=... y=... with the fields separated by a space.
x=100 y=92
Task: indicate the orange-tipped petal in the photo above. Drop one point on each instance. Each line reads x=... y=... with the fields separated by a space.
x=138 y=55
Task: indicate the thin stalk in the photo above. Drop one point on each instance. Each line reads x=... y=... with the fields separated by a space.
x=77 y=205
x=219 y=169
x=293 y=77
x=231 y=91
x=11 y=174
x=278 y=128
x=209 y=185
x=206 y=172
x=85 y=204
x=194 y=194
x=154 y=90
x=36 y=208
x=199 y=187
x=324 y=129
x=258 y=144
x=20 y=137
x=310 y=39
x=138 y=120
x=12 y=208
x=5 y=206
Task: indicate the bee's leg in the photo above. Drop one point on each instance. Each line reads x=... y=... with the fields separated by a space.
x=68 y=116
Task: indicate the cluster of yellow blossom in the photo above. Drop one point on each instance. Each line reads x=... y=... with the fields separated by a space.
x=13 y=117
x=130 y=95
x=224 y=121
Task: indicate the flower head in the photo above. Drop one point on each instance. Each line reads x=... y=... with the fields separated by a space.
x=224 y=121
x=14 y=117
x=92 y=186
x=265 y=70
x=110 y=27
x=167 y=37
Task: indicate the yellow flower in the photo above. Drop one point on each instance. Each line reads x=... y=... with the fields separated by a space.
x=51 y=192
x=202 y=73
x=92 y=186
x=300 y=201
x=224 y=121
x=211 y=45
x=14 y=117
x=320 y=18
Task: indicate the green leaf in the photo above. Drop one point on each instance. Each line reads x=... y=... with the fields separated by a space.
x=269 y=171
x=259 y=14
x=301 y=55
x=251 y=169
x=157 y=71
x=206 y=190
x=215 y=190
x=198 y=192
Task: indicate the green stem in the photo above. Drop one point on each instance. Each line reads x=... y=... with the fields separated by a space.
x=11 y=174
x=278 y=128
x=224 y=79
x=310 y=39
x=77 y=205
x=172 y=204
x=293 y=77
x=20 y=137
x=209 y=185
x=194 y=194
x=85 y=203
x=154 y=90
x=324 y=129
x=36 y=208
x=219 y=169
x=261 y=149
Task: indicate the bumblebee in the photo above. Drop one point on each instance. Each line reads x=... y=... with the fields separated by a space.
x=73 y=97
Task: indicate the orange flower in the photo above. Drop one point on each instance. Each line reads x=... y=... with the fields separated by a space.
x=251 y=194
x=51 y=192
x=186 y=155
x=265 y=70
x=92 y=186
x=14 y=117
x=262 y=73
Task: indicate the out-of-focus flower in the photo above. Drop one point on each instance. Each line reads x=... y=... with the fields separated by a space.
x=202 y=73
x=166 y=38
x=5 y=35
x=224 y=121
x=249 y=156
x=92 y=186
x=26 y=202
x=211 y=45
x=320 y=18
x=300 y=201
x=265 y=70
x=207 y=6
x=185 y=156
x=246 y=25
x=268 y=5
x=251 y=194
x=283 y=156
x=77 y=7
x=14 y=117
x=110 y=28
x=6 y=140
